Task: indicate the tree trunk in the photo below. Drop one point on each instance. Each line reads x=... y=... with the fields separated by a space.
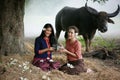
x=11 y=27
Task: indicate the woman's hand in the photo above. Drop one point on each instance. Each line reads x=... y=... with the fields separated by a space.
x=62 y=50
x=46 y=49
x=51 y=49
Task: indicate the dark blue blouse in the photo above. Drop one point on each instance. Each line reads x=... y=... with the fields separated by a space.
x=40 y=44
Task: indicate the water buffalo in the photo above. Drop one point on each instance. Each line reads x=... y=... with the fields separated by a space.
x=86 y=19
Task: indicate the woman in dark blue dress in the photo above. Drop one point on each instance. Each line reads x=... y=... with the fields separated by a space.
x=43 y=49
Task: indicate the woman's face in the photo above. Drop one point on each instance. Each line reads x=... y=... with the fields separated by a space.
x=71 y=34
x=48 y=32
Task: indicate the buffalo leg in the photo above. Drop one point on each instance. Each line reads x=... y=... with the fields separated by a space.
x=58 y=33
x=87 y=43
x=90 y=44
x=66 y=35
x=90 y=38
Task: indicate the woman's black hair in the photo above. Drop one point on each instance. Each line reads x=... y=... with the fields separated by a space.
x=73 y=27
x=52 y=35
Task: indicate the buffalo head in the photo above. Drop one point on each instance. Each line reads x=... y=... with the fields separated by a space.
x=102 y=17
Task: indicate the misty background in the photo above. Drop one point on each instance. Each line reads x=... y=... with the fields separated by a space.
x=40 y=12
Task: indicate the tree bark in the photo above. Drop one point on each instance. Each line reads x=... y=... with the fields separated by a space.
x=12 y=27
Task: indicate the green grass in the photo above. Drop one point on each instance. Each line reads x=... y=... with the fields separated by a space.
x=99 y=42
x=80 y=38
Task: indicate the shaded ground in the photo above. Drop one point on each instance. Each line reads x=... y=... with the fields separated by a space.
x=19 y=67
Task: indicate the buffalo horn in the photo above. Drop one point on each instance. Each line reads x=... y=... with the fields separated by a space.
x=114 y=13
x=90 y=10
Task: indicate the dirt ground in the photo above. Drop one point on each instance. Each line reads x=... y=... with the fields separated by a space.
x=19 y=67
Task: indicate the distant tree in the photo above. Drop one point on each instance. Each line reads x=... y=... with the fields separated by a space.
x=11 y=26
x=99 y=1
